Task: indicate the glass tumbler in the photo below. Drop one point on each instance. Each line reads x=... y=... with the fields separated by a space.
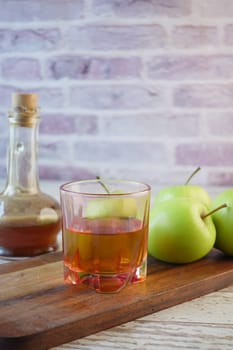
x=105 y=233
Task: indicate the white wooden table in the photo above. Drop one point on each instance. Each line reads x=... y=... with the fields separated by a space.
x=204 y=323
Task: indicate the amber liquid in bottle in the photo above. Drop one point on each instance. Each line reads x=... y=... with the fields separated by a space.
x=29 y=219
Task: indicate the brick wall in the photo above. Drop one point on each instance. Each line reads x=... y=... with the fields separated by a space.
x=127 y=88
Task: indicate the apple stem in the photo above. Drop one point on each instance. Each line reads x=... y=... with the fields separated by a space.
x=103 y=184
x=214 y=210
x=193 y=173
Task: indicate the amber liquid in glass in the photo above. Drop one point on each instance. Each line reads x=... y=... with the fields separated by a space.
x=106 y=247
x=27 y=237
x=29 y=219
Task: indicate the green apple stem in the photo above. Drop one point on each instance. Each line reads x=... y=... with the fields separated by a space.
x=224 y=205
x=103 y=184
x=193 y=173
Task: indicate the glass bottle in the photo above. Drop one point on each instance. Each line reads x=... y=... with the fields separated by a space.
x=29 y=219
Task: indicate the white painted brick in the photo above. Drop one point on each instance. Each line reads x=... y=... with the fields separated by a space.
x=140 y=89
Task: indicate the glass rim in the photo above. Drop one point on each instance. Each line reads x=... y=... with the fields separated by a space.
x=64 y=187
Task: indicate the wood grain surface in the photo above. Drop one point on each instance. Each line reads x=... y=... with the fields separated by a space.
x=38 y=311
x=205 y=323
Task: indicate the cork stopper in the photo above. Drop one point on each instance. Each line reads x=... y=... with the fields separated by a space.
x=24 y=110
x=24 y=101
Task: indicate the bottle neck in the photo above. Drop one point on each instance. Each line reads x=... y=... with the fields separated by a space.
x=22 y=169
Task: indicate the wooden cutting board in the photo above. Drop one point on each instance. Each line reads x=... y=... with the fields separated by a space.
x=38 y=311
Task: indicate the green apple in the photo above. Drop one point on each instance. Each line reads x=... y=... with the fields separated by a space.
x=223 y=220
x=186 y=190
x=180 y=231
x=112 y=207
